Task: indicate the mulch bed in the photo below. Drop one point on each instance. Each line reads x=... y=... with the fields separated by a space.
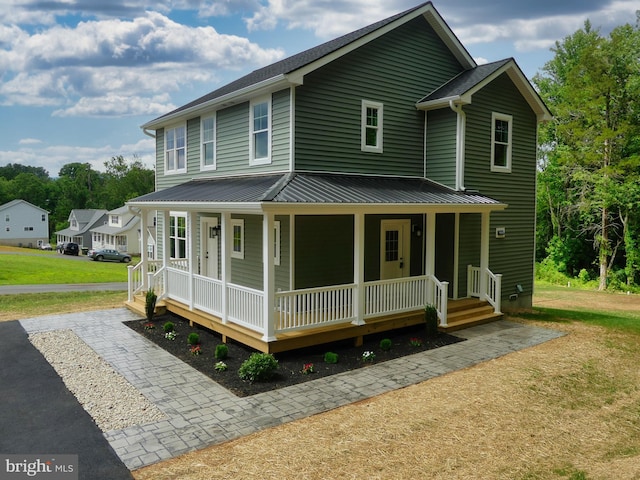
x=290 y=364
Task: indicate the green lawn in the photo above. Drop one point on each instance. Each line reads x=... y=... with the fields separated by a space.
x=33 y=269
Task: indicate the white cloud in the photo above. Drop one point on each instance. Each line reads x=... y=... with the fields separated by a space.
x=107 y=60
x=29 y=141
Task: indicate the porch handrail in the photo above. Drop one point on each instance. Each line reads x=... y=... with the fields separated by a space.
x=493 y=293
x=395 y=295
x=246 y=307
x=314 y=307
x=158 y=281
x=136 y=276
x=439 y=298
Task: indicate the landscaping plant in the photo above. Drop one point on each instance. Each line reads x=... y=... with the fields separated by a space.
x=221 y=351
x=331 y=357
x=168 y=327
x=431 y=319
x=386 y=344
x=150 y=304
x=258 y=367
x=193 y=339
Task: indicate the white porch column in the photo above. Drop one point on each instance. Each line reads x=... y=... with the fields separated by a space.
x=226 y=237
x=430 y=252
x=268 y=277
x=143 y=249
x=484 y=253
x=358 y=269
x=191 y=253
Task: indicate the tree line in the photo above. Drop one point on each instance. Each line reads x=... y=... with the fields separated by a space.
x=77 y=186
x=588 y=192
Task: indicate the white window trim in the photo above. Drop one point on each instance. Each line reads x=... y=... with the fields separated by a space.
x=507 y=118
x=237 y=222
x=276 y=245
x=186 y=237
x=214 y=141
x=363 y=127
x=166 y=165
x=263 y=160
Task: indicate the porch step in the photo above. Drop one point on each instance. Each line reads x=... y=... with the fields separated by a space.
x=138 y=305
x=468 y=313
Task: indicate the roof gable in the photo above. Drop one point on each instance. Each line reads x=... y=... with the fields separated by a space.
x=13 y=203
x=461 y=88
x=291 y=70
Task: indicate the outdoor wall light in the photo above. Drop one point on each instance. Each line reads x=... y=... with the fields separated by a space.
x=215 y=231
x=417 y=230
x=519 y=288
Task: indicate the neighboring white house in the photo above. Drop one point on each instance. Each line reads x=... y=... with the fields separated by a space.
x=121 y=232
x=81 y=221
x=23 y=224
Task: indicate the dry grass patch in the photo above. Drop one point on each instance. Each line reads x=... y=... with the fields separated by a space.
x=565 y=409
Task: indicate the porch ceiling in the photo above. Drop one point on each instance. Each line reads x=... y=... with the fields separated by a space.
x=314 y=189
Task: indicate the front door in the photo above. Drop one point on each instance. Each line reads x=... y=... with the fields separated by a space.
x=395 y=248
x=209 y=247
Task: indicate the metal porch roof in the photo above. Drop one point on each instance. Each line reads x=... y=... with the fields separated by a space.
x=314 y=188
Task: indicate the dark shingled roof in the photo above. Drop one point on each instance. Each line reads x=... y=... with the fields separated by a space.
x=315 y=188
x=465 y=81
x=292 y=63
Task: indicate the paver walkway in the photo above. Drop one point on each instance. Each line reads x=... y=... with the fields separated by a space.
x=199 y=412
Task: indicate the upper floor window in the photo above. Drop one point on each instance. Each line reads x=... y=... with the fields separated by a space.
x=74 y=223
x=178 y=235
x=208 y=135
x=260 y=140
x=175 y=150
x=501 y=141
x=44 y=217
x=371 y=128
x=7 y=218
x=115 y=220
x=237 y=226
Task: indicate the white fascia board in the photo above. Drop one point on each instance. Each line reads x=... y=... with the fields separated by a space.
x=239 y=96
x=234 y=207
x=443 y=102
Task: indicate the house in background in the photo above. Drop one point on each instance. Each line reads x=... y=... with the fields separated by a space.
x=23 y=224
x=337 y=192
x=121 y=232
x=81 y=221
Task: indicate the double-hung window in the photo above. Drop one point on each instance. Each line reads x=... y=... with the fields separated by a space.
x=208 y=135
x=371 y=127
x=260 y=127
x=176 y=149
x=237 y=226
x=501 y=141
x=178 y=235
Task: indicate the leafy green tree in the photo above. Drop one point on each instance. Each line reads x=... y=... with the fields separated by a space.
x=125 y=180
x=592 y=86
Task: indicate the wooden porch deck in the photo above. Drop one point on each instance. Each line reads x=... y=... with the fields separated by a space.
x=461 y=314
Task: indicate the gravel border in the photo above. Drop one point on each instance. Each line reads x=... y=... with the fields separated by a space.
x=107 y=396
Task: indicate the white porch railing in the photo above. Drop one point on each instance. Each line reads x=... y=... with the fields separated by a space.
x=246 y=307
x=207 y=295
x=178 y=283
x=397 y=295
x=440 y=298
x=493 y=293
x=314 y=307
x=136 y=277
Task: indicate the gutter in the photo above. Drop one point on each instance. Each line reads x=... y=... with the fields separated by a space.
x=461 y=127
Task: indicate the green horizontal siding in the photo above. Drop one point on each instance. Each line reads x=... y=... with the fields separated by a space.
x=511 y=256
x=397 y=70
x=441 y=146
x=248 y=271
x=282 y=271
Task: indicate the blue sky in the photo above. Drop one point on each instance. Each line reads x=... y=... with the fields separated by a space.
x=79 y=77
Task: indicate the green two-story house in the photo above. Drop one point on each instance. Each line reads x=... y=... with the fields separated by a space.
x=337 y=192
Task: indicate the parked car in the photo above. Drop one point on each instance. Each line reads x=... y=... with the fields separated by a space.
x=109 y=254
x=46 y=246
x=71 y=249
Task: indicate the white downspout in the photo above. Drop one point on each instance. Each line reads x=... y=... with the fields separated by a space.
x=461 y=127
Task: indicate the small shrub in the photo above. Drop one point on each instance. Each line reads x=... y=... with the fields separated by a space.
x=331 y=357
x=222 y=351
x=150 y=304
x=193 y=339
x=258 y=367
x=168 y=327
x=386 y=344
x=431 y=319
x=220 y=366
